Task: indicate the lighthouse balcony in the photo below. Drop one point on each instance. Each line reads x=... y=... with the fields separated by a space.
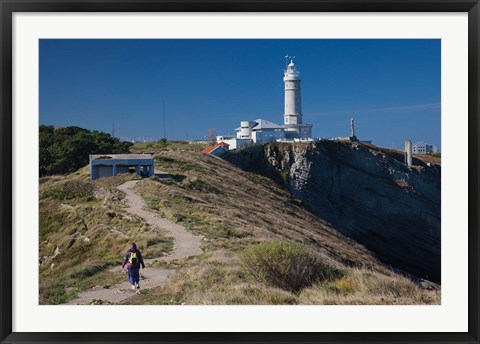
x=291 y=77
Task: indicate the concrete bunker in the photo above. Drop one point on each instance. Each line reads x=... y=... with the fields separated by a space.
x=108 y=165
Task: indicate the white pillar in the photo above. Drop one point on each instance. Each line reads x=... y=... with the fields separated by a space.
x=408 y=153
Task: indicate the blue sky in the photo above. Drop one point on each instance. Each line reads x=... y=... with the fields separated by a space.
x=391 y=87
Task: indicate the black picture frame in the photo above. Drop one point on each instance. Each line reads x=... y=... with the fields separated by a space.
x=8 y=7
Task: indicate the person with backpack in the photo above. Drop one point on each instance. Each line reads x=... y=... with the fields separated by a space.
x=133 y=259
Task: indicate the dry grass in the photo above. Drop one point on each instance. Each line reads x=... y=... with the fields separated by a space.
x=362 y=287
x=214 y=278
x=217 y=278
x=430 y=158
x=83 y=231
x=234 y=210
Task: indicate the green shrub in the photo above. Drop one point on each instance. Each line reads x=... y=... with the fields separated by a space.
x=163 y=159
x=49 y=222
x=90 y=269
x=157 y=246
x=196 y=184
x=186 y=167
x=56 y=294
x=70 y=190
x=287 y=266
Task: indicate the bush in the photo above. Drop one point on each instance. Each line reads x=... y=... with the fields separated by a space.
x=287 y=266
x=70 y=190
x=90 y=269
x=186 y=167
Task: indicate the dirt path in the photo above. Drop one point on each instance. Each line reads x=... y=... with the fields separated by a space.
x=185 y=245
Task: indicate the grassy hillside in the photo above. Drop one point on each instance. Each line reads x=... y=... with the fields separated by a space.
x=365 y=192
x=83 y=230
x=243 y=217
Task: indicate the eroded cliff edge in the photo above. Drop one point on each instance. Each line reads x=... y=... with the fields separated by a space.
x=365 y=192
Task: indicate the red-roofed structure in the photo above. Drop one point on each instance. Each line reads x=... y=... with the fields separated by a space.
x=218 y=149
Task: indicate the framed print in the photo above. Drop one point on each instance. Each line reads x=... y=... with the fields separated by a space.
x=239 y=171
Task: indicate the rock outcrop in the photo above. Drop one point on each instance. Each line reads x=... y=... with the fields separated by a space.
x=365 y=192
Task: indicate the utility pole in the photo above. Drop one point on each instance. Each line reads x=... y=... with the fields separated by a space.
x=164 y=129
x=113 y=129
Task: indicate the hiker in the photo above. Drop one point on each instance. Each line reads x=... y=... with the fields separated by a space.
x=133 y=259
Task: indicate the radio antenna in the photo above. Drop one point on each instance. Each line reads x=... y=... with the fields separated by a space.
x=164 y=129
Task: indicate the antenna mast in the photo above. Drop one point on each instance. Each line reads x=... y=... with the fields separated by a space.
x=164 y=129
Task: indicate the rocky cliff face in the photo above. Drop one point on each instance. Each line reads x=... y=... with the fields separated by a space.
x=365 y=192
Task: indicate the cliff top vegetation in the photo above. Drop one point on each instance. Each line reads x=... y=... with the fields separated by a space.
x=84 y=229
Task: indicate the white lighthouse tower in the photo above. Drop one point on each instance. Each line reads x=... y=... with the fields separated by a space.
x=294 y=128
x=293 y=100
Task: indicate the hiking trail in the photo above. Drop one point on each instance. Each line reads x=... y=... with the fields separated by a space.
x=185 y=245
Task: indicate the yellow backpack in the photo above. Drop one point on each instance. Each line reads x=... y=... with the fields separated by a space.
x=133 y=260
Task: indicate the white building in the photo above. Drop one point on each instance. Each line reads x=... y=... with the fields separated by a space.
x=261 y=131
x=234 y=142
x=423 y=148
